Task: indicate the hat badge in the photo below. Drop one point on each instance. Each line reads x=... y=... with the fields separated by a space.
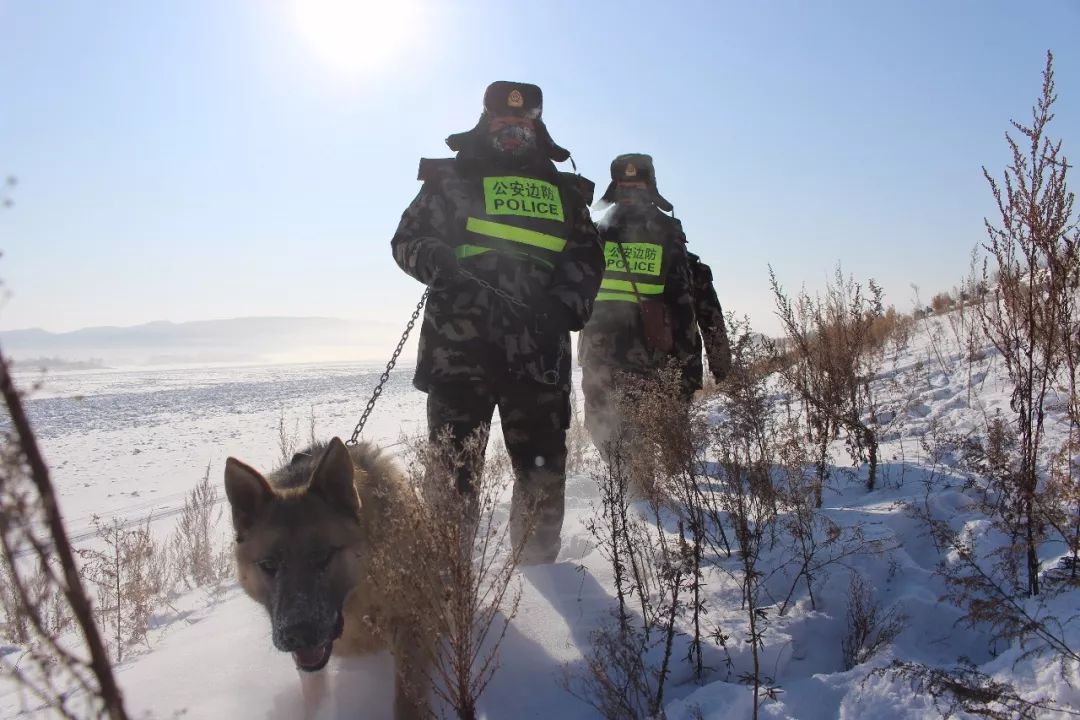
x=515 y=100
x=631 y=170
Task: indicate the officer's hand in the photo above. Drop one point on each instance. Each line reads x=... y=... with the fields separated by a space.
x=445 y=264
x=553 y=320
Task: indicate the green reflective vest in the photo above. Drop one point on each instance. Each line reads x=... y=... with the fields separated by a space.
x=517 y=216
x=633 y=266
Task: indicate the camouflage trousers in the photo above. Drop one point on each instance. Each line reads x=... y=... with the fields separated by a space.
x=534 y=422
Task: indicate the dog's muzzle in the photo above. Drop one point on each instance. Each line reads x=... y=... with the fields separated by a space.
x=314 y=657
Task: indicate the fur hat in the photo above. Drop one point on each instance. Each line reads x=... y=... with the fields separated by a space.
x=515 y=99
x=635 y=167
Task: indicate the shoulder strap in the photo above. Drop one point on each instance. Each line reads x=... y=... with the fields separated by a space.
x=626 y=269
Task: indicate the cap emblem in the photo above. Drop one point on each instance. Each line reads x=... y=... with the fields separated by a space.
x=515 y=100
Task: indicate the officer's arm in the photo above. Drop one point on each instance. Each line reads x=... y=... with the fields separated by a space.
x=580 y=266
x=711 y=319
x=420 y=236
x=679 y=297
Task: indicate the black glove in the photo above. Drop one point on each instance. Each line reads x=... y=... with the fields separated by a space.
x=553 y=320
x=445 y=264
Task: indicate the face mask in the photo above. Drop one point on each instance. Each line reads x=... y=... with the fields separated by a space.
x=513 y=139
x=632 y=194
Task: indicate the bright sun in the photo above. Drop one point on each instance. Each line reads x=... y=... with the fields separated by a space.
x=356 y=35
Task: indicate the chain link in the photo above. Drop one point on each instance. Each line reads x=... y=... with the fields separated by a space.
x=494 y=290
x=389 y=366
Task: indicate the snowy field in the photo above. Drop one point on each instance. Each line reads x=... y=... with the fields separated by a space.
x=131 y=444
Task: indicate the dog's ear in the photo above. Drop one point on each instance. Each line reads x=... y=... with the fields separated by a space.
x=333 y=479
x=248 y=493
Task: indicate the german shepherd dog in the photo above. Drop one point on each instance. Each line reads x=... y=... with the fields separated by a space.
x=311 y=539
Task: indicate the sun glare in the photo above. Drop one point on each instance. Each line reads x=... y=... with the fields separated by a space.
x=356 y=35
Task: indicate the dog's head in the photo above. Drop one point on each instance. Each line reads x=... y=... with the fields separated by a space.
x=297 y=547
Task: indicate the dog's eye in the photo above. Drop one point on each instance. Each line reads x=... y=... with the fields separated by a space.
x=268 y=565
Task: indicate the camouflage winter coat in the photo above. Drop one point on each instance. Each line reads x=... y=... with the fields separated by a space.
x=710 y=319
x=524 y=231
x=653 y=245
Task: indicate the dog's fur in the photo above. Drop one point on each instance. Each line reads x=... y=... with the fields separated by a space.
x=312 y=539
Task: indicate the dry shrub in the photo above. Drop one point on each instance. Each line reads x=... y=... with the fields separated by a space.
x=649 y=478
x=1063 y=511
x=750 y=459
x=199 y=560
x=69 y=676
x=460 y=578
x=46 y=599
x=617 y=681
x=965 y=689
x=681 y=493
x=942 y=303
x=663 y=457
x=964 y=319
x=814 y=543
x=869 y=628
x=130 y=575
x=289 y=441
x=1030 y=314
x=672 y=437
x=16 y=621
x=986 y=581
x=891 y=328
x=983 y=585
x=629 y=662
x=614 y=530
x=837 y=354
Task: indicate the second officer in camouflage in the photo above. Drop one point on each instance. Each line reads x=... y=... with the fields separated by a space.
x=644 y=320
x=506 y=245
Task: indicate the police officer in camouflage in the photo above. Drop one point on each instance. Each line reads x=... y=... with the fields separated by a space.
x=645 y=317
x=513 y=261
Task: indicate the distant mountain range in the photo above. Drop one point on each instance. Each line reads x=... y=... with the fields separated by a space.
x=236 y=340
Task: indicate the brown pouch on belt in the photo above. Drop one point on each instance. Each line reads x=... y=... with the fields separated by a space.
x=657 y=324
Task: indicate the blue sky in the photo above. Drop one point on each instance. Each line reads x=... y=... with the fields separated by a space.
x=206 y=159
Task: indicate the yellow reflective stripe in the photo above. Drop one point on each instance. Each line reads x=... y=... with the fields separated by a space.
x=468 y=251
x=623 y=297
x=515 y=234
x=464 y=251
x=627 y=286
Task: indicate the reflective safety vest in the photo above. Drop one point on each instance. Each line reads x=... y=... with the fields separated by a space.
x=518 y=216
x=633 y=266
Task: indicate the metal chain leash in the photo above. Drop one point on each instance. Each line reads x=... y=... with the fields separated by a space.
x=492 y=289
x=389 y=366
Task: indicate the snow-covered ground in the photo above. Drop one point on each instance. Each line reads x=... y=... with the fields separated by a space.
x=132 y=444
